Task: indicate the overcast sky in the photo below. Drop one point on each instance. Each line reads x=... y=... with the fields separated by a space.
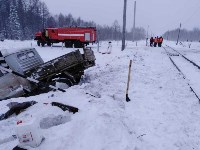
x=159 y=15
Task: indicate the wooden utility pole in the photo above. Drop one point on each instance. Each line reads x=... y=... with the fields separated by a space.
x=124 y=26
x=134 y=21
x=147 y=36
x=98 y=41
x=178 y=34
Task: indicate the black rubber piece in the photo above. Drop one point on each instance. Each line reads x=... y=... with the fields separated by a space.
x=65 y=107
x=17 y=109
x=18 y=148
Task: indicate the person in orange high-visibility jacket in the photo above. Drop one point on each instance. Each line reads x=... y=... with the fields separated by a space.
x=159 y=42
x=155 y=41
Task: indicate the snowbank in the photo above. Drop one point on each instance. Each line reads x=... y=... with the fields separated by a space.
x=163 y=114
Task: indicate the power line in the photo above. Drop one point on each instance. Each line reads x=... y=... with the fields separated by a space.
x=186 y=20
x=192 y=15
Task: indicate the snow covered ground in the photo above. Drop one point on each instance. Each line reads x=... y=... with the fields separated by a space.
x=163 y=114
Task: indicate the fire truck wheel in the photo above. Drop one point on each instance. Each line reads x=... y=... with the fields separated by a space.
x=68 y=44
x=38 y=43
x=43 y=44
x=78 y=44
x=49 y=43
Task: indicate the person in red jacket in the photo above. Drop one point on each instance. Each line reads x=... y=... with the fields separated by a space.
x=151 y=41
x=160 y=41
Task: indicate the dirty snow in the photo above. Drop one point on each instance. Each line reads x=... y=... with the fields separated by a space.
x=163 y=113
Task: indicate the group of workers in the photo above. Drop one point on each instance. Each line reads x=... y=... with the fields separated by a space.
x=156 y=41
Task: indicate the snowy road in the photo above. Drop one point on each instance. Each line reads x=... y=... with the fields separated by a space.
x=163 y=113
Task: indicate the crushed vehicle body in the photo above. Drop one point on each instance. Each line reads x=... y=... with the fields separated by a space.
x=66 y=69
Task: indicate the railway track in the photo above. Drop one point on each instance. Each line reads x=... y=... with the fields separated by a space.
x=189 y=70
x=192 y=62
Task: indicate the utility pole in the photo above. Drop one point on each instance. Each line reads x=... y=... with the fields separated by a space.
x=98 y=41
x=134 y=21
x=124 y=26
x=147 y=31
x=178 y=34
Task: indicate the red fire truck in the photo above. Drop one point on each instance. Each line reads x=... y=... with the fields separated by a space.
x=77 y=36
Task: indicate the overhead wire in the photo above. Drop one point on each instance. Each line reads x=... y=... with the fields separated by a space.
x=189 y=18
x=192 y=15
x=176 y=12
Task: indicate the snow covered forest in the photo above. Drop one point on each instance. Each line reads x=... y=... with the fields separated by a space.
x=185 y=35
x=20 y=19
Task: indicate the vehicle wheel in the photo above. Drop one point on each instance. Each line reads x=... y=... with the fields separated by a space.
x=38 y=43
x=68 y=44
x=43 y=44
x=49 y=43
x=82 y=45
x=78 y=44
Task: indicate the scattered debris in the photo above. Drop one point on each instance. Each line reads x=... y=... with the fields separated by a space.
x=96 y=96
x=18 y=148
x=65 y=107
x=29 y=133
x=17 y=108
x=141 y=136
